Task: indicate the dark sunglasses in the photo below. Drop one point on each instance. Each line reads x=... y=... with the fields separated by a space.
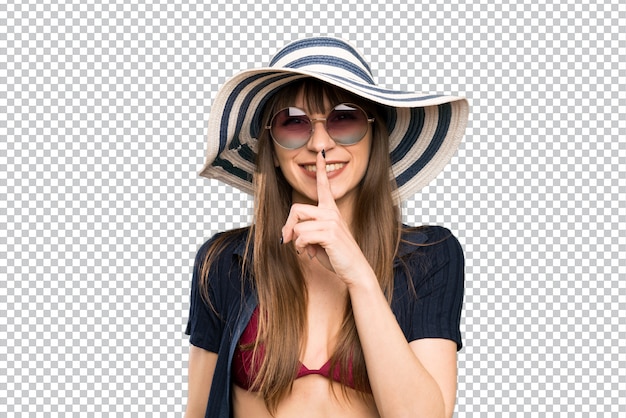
x=346 y=124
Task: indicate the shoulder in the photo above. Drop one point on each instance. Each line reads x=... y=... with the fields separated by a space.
x=219 y=260
x=429 y=284
x=223 y=246
x=425 y=233
x=429 y=239
x=217 y=289
x=424 y=250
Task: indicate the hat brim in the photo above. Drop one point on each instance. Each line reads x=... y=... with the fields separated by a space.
x=425 y=130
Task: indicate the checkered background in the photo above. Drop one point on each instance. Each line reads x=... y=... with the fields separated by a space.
x=103 y=110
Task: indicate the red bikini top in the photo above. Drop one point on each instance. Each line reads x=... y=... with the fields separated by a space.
x=243 y=375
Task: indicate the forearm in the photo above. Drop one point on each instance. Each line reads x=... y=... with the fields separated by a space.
x=201 y=368
x=401 y=385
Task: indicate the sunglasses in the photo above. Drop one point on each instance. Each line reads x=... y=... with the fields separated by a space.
x=292 y=128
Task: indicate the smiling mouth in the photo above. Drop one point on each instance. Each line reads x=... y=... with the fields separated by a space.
x=329 y=167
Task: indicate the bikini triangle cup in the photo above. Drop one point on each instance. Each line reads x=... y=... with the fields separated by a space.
x=244 y=373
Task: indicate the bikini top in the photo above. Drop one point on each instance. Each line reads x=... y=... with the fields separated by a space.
x=243 y=373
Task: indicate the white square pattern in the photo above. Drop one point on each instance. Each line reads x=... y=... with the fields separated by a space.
x=103 y=113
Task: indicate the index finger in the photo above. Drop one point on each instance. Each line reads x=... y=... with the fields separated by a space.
x=324 y=193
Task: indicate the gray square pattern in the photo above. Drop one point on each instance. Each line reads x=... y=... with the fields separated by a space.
x=103 y=110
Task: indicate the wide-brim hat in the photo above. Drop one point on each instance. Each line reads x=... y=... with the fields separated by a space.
x=424 y=129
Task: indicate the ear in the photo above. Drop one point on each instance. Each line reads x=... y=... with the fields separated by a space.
x=276 y=163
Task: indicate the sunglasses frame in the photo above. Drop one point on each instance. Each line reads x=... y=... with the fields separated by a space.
x=312 y=122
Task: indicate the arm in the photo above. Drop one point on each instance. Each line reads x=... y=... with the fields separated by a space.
x=201 y=368
x=408 y=380
x=439 y=357
x=415 y=379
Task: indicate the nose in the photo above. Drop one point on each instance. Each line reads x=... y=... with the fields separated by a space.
x=320 y=139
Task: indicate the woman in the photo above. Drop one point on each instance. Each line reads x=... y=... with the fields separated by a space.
x=327 y=305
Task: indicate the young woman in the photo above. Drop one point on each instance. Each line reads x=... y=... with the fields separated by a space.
x=327 y=305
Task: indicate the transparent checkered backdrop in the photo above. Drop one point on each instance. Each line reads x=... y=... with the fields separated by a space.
x=103 y=117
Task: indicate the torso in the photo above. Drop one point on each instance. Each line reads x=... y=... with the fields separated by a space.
x=312 y=396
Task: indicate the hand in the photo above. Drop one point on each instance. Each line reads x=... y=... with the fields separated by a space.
x=321 y=231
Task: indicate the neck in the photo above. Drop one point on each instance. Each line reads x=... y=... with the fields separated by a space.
x=324 y=288
x=346 y=208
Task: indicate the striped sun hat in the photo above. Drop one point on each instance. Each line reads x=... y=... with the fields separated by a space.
x=424 y=129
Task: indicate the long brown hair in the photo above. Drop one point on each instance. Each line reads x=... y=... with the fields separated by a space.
x=276 y=273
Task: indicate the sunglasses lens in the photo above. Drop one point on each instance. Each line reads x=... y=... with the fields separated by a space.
x=291 y=127
x=347 y=124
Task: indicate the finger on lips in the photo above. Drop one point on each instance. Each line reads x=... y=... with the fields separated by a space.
x=301 y=213
x=324 y=193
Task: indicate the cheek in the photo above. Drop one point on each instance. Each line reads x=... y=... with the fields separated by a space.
x=281 y=159
x=365 y=155
x=284 y=162
x=279 y=155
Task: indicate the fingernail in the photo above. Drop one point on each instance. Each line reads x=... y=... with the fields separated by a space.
x=323 y=154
